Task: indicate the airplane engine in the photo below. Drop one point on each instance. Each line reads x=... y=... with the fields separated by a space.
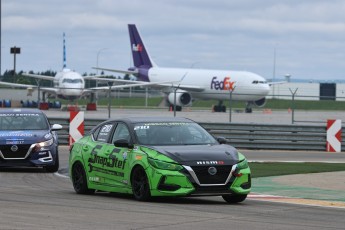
x=261 y=102
x=183 y=98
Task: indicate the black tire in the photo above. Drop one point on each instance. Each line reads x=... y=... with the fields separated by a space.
x=79 y=180
x=140 y=184
x=55 y=167
x=233 y=199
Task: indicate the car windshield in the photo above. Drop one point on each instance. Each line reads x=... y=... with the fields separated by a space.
x=22 y=121
x=172 y=133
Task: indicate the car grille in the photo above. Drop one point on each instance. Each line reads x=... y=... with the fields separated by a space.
x=22 y=152
x=205 y=177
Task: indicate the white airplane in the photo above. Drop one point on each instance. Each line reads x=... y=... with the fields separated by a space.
x=195 y=83
x=69 y=84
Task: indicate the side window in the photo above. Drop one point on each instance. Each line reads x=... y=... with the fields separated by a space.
x=121 y=132
x=95 y=133
x=104 y=133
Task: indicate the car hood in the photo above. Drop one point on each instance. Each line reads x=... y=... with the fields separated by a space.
x=200 y=154
x=23 y=136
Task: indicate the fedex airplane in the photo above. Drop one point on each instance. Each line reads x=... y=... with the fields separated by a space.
x=68 y=84
x=195 y=83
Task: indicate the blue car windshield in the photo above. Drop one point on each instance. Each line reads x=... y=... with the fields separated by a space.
x=23 y=121
x=168 y=133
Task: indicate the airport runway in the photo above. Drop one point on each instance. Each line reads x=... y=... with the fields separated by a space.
x=36 y=200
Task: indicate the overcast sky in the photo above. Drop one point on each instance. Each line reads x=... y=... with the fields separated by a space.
x=307 y=36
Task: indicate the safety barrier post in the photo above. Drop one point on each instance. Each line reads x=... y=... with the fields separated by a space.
x=76 y=126
x=333 y=136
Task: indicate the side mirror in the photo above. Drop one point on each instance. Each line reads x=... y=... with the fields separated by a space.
x=56 y=127
x=222 y=140
x=123 y=143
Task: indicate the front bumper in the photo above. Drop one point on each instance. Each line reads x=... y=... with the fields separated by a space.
x=194 y=181
x=29 y=158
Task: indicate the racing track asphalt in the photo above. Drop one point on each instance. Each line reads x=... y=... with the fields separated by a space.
x=324 y=189
x=32 y=199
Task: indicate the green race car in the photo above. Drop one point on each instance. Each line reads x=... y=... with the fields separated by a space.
x=158 y=156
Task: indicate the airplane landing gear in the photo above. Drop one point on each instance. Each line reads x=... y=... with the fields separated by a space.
x=249 y=108
x=219 y=108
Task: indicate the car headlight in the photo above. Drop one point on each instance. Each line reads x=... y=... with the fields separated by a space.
x=44 y=144
x=242 y=164
x=164 y=165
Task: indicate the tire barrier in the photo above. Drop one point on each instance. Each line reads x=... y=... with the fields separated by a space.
x=34 y=104
x=5 y=103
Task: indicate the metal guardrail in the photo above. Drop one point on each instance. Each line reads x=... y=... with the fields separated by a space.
x=244 y=135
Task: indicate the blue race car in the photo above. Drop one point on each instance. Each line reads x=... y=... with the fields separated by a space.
x=28 y=140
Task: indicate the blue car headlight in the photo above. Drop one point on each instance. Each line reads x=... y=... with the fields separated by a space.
x=44 y=145
x=164 y=165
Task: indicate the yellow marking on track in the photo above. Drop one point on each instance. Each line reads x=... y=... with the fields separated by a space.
x=280 y=199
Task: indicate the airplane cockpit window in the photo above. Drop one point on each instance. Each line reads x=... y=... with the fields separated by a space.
x=67 y=80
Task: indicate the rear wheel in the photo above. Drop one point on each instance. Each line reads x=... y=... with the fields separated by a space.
x=79 y=180
x=232 y=199
x=140 y=184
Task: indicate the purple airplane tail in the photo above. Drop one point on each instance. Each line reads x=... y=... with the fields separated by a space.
x=141 y=58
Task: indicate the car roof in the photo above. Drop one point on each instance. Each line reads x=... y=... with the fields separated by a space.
x=20 y=110
x=152 y=119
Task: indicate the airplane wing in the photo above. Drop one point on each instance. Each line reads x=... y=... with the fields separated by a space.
x=117 y=71
x=44 y=77
x=159 y=85
x=137 y=83
x=17 y=85
x=49 y=90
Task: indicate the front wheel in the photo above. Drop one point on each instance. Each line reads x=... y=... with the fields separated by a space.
x=79 y=180
x=232 y=199
x=140 y=184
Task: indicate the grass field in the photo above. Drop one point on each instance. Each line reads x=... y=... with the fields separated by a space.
x=153 y=102
x=282 y=168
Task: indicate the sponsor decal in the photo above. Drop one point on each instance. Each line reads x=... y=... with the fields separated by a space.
x=94 y=178
x=16 y=134
x=113 y=162
x=97 y=163
x=226 y=84
x=48 y=136
x=147 y=125
x=14 y=142
x=210 y=162
x=137 y=47
x=19 y=115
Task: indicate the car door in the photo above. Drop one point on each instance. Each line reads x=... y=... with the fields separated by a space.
x=97 y=154
x=117 y=157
